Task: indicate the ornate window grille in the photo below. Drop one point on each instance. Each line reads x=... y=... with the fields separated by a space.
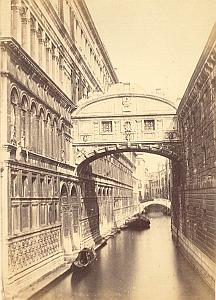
x=149 y=125
x=107 y=126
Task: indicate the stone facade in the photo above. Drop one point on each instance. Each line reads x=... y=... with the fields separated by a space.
x=107 y=195
x=160 y=181
x=51 y=56
x=196 y=205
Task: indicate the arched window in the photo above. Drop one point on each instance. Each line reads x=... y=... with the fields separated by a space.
x=99 y=192
x=24 y=123
x=64 y=212
x=34 y=128
x=75 y=210
x=13 y=120
x=62 y=143
x=41 y=132
x=49 y=136
x=55 y=140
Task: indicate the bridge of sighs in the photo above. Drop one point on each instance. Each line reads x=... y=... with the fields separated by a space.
x=125 y=121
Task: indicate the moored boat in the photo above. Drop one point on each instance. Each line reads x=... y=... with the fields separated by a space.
x=139 y=222
x=85 y=257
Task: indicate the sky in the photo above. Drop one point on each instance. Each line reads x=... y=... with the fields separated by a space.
x=154 y=43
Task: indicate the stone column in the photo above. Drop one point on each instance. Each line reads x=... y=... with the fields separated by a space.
x=25 y=23
x=73 y=85
x=45 y=138
x=40 y=47
x=51 y=141
x=53 y=63
x=57 y=68
x=43 y=50
x=48 y=58
x=34 y=39
x=61 y=72
x=28 y=129
x=16 y=20
x=14 y=129
x=18 y=122
x=58 y=153
x=23 y=127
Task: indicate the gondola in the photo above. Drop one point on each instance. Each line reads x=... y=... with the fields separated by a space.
x=85 y=257
x=139 y=222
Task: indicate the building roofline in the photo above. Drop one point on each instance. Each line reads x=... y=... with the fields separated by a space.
x=101 y=46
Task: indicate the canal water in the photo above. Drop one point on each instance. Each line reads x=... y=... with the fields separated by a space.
x=134 y=265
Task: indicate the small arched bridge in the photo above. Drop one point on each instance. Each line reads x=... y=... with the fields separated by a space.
x=159 y=201
x=124 y=122
x=163 y=205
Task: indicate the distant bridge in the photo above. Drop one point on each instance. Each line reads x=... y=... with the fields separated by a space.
x=157 y=204
x=160 y=201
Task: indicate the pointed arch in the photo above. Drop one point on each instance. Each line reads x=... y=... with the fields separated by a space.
x=74 y=192
x=64 y=190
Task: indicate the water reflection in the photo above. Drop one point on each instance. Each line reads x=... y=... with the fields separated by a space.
x=134 y=265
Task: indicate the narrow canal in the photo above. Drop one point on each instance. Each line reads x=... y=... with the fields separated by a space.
x=134 y=265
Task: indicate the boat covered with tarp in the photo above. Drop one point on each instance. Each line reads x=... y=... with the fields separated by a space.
x=85 y=257
x=139 y=221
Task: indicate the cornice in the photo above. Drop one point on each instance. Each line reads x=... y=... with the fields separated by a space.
x=96 y=117
x=84 y=103
x=41 y=158
x=35 y=72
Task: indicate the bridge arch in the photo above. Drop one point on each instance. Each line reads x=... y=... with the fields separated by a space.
x=163 y=205
x=89 y=154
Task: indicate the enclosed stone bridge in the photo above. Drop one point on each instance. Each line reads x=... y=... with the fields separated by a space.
x=124 y=121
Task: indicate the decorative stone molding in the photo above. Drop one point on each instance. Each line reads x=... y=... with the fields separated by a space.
x=32 y=249
x=89 y=153
x=24 y=60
